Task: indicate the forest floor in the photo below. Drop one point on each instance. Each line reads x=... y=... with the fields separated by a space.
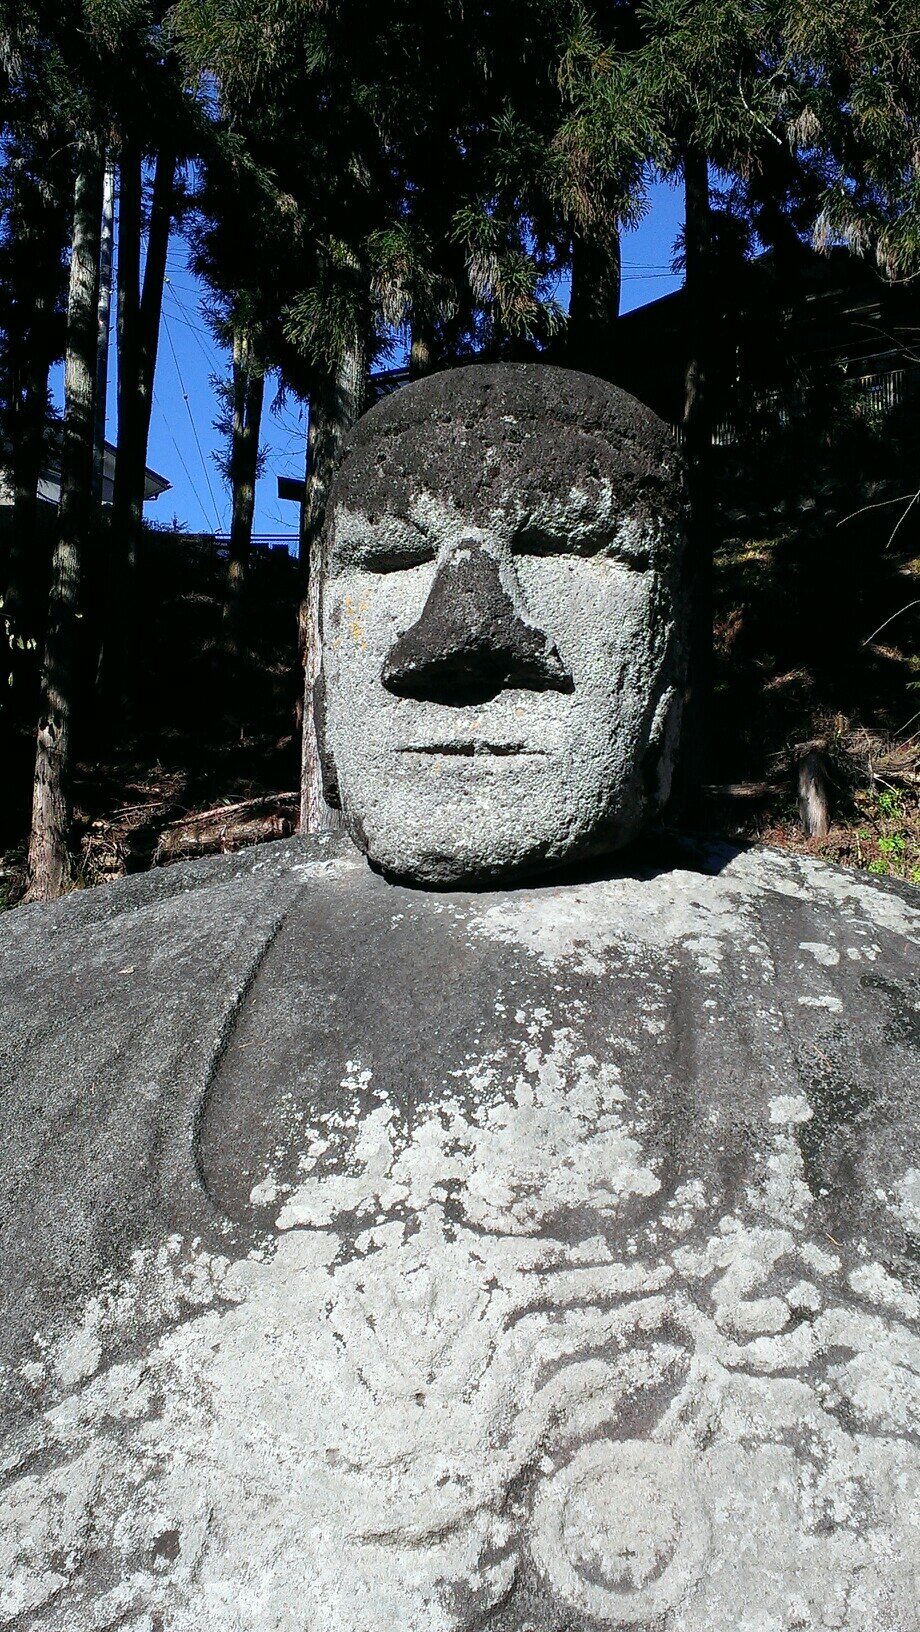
x=802 y=663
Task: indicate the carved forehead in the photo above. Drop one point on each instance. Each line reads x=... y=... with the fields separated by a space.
x=483 y=436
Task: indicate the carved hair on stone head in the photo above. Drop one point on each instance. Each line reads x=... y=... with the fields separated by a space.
x=503 y=623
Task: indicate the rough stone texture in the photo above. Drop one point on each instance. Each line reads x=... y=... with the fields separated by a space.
x=540 y=1259
x=503 y=642
x=472 y=640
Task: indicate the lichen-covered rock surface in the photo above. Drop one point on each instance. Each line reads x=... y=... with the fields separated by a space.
x=540 y=1259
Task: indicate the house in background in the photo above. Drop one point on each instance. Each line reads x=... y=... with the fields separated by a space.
x=779 y=329
x=49 y=485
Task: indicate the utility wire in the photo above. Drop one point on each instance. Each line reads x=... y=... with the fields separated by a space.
x=295 y=436
x=191 y=418
x=212 y=361
x=188 y=474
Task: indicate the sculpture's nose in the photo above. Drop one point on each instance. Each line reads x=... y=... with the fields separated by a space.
x=473 y=638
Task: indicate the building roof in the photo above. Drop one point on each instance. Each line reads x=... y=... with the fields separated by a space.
x=49 y=485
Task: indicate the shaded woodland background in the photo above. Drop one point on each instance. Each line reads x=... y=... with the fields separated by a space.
x=362 y=185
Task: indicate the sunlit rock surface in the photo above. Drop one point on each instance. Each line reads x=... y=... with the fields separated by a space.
x=503 y=620
x=537 y=1259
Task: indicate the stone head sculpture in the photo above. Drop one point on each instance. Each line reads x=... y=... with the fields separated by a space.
x=502 y=623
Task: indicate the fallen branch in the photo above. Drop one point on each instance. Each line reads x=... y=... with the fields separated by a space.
x=742 y=790
x=228 y=827
x=890 y=620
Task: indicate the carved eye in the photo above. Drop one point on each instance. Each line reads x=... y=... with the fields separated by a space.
x=395 y=558
x=393 y=549
x=637 y=558
x=537 y=541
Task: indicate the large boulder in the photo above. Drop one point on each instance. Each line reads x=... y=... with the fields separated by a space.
x=544 y=1259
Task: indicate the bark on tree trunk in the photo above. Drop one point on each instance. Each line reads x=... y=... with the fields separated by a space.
x=139 y=314
x=594 y=303
x=28 y=457
x=31 y=348
x=129 y=269
x=248 y=397
x=420 y=352
x=814 y=800
x=697 y=428
x=50 y=866
x=38 y=232
x=104 y=311
x=333 y=410
x=158 y=233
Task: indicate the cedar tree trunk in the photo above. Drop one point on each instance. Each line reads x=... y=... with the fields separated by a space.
x=138 y=339
x=594 y=303
x=31 y=416
x=128 y=336
x=697 y=429
x=104 y=311
x=32 y=344
x=248 y=396
x=333 y=410
x=50 y=867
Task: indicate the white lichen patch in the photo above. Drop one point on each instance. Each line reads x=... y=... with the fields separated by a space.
x=488 y=1347
x=578 y=928
x=841 y=889
x=701 y=913
x=827 y=956
x=556 y=1141
x=787 y=1108
x=909 y=1199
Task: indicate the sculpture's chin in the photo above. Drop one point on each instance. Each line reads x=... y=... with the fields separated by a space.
x=434 y=869
x=443 y=853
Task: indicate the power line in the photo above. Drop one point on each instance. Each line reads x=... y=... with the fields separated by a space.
x=188 y=475
x=213 y=362
x=286 y=420
x=191 y=418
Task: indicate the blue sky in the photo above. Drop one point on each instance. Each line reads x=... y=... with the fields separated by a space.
x=182 y=435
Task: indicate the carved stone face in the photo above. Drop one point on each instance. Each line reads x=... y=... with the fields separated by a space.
x=502 y=649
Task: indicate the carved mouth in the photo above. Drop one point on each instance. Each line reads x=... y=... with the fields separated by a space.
x=469 y=750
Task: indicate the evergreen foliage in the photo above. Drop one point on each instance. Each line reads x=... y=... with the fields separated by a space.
x=358 y=182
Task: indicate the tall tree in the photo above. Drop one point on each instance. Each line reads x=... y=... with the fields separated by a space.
x=85 y=59
x=140 y=304
x=36 y=189
x=106 y=244
x=244 y=422
x=605 y=140
x=698 y=431
x=49 y=862
x=156 y=125
x=693 y=87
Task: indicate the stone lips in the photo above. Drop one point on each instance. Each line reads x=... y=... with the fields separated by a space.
x=504 y=598
x=540 y=1259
